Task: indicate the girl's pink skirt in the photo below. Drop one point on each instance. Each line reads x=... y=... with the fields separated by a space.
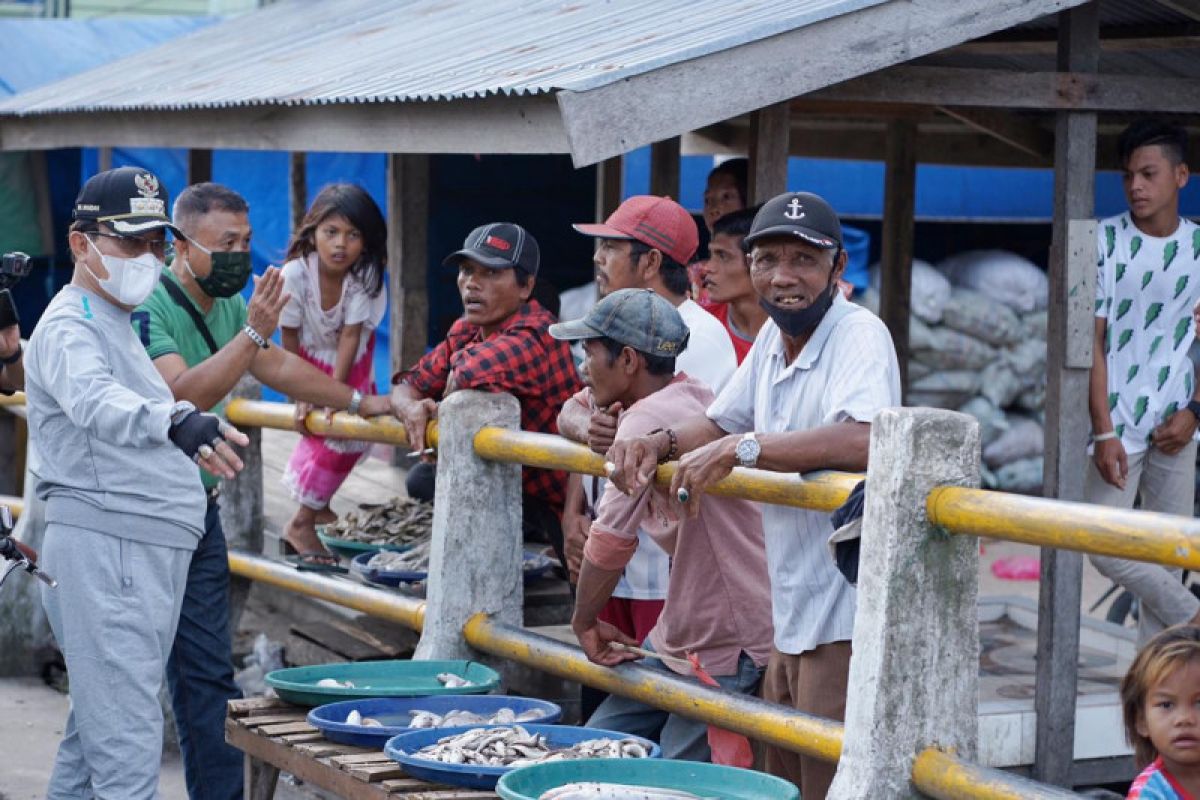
x=318 y=466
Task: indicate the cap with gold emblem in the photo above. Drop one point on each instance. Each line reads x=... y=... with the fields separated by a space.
x=128 y=199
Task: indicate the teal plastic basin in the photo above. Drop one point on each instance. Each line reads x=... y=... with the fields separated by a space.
x=378 y=679
x=705 y=780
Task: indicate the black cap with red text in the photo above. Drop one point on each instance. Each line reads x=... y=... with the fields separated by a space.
x=498 y=245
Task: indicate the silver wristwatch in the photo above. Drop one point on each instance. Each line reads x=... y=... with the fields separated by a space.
x=747 y=450
x=355 y=401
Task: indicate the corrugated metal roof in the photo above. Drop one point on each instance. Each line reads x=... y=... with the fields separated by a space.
x=309 y=52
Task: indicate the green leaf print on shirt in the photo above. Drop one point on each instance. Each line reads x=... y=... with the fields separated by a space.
x=1120 y=430
x=1108 y=340
x=1181 y=329
x=1180 y=285
x=1147 y=276
x=1169 y=253
x=1163 y=374
x=1135 y=244
x=1172 y=407
x=1152 y=314
x=1140 y=408
x=1154 y=345
x=1120 y=271
x=1123 y=307
x=1112 y=400
x=1196 y=243
x=1110 y=239
x=1123 y=339
x=1133 y=371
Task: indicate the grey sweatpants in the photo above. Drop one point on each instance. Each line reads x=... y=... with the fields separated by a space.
x=1167 y=484
x=114 y=614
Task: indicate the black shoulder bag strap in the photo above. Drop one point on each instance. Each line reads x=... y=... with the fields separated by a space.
x=183 y=302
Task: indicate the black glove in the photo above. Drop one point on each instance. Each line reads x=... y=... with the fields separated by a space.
x=194 y=430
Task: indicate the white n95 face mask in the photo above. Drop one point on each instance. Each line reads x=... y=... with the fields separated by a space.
x=130 y=280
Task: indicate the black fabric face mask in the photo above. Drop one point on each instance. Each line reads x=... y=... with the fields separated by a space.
x=801 y=321
x=229 y=274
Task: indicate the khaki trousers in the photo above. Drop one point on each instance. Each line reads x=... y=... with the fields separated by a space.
x=813 y=682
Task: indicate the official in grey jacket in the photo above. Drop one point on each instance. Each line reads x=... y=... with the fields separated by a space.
x=116 y=464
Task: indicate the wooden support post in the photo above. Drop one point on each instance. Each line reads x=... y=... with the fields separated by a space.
x=242 y=504
x=1072 y=288
x=199 y=166
x=104 y=159
x=408 y=259
x=298 y=187
x=609 y=186
x=769 y=128
x=899 y=209
x=664 y=167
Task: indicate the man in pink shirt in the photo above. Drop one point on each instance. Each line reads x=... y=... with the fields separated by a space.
x=718 y=602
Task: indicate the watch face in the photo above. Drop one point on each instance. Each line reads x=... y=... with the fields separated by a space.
x=747 y=451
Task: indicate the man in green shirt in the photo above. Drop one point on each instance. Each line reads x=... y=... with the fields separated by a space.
x=202 y=337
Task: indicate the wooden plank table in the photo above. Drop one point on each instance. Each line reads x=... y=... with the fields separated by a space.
x=276 y=737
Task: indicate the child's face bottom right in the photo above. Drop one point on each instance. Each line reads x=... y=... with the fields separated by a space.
x=1171 y=717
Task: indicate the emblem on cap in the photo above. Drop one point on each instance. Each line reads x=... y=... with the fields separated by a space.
x=795 y=210
x=497 y=242
x=147 y=184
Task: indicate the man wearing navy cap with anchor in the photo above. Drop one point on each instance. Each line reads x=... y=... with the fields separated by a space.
x=820 y=370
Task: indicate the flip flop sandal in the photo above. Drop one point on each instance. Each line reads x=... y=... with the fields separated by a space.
x=312 y=560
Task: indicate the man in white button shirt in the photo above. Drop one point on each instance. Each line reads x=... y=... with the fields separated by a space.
x=803 y=400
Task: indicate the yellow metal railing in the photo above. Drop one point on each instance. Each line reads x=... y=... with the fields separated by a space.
x=15 y=504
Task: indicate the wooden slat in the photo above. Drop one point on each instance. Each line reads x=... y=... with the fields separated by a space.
x=372 y=773
x=272 y=719
x=302 y=738
x=245 y=706
x=302 y=766
x=285 y=728
x=320 y=749
x=375 y=757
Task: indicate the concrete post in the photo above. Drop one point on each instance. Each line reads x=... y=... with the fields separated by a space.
x=242 y=504
x=914 y=672
x=475 y=560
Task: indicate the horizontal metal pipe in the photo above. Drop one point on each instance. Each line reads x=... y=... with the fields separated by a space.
x=262 y=414
x=755 y=718
x=1137 y=535
x=944 y=776
x=822 y=491
x=14 y=399
x=406 y=611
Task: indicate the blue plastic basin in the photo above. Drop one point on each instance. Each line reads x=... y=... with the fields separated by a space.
x=396 y=713
x=401 y=748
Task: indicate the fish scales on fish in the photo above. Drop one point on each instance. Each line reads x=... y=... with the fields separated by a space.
x=515 y=746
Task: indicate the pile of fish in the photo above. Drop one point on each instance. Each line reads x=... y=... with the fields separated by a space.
x=459 y=718
x=517 y=747
x=399 y=521
x=414 y=560
x=590 y=790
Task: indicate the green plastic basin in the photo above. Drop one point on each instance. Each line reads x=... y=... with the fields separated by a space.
x=378 y=679
x=704 y=780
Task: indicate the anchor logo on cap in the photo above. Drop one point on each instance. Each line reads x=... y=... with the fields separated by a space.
x=794 y=209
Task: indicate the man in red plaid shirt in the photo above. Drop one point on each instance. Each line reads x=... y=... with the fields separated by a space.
x=500 y=344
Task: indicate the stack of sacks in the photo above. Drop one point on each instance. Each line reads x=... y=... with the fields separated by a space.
x=977 y=343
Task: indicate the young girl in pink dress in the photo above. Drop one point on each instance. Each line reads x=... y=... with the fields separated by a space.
x=335 y=276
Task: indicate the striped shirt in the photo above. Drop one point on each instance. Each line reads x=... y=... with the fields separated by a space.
x=846 y=371
x=1155 y=783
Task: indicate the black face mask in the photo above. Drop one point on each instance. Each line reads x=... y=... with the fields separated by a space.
x=229 y=274
x=800 y=321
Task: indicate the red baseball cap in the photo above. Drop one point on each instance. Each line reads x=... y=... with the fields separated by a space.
x=657 y=222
